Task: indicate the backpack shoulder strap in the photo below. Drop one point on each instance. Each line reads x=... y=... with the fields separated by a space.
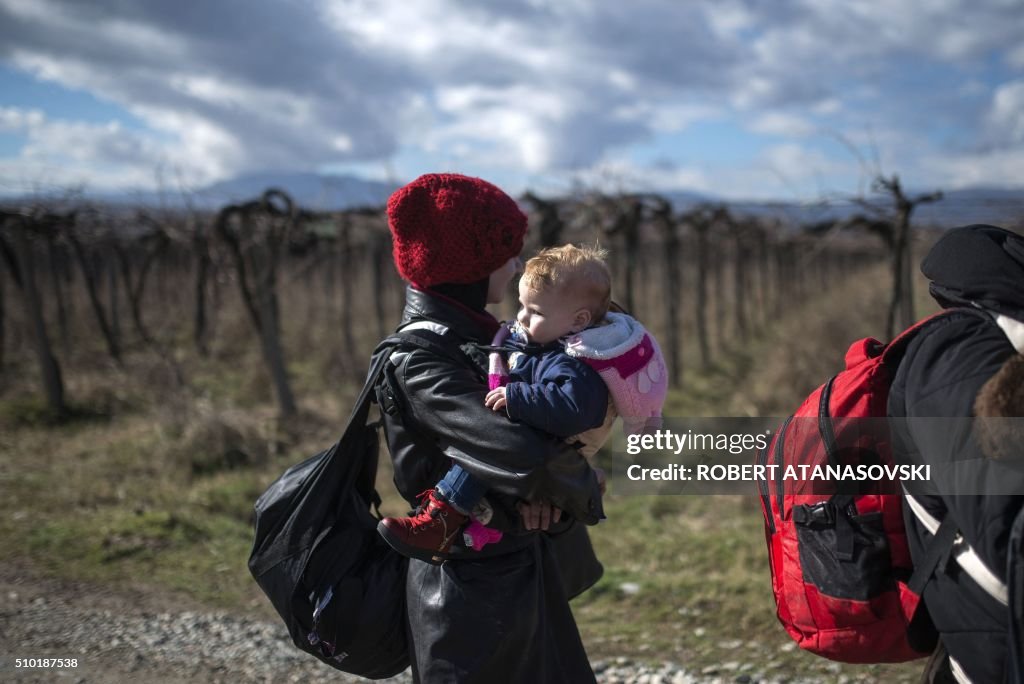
x=1015 y=582
x=947 y=541
x=430 y=338
x=427 y=336
x=421 y=337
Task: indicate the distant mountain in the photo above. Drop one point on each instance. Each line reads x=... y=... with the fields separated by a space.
x=974 y=205
x=332 y=192
x=684 y=200
x=956 y=208
x=308 y=190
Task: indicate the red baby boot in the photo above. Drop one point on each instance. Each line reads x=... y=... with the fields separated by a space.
x=429 y=534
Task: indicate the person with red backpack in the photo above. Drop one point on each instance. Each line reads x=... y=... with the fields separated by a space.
x=893 y=570
x=955 y=369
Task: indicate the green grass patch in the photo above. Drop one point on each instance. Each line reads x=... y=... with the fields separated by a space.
x=199 y=553
x=686 y=579
x=231 y=496
x=161 y=493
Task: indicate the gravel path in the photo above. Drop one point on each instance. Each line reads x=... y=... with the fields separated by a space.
x=136 y=637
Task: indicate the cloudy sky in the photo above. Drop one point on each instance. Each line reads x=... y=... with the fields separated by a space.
x=738 y=98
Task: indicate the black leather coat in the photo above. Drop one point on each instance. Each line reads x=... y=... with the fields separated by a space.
x=501 y=614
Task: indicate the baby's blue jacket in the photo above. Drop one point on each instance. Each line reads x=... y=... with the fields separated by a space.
x=553 y=391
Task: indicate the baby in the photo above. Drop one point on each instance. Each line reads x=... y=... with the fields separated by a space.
x=572 y=367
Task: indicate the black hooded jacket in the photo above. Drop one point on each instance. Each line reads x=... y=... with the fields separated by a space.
x=940 y=377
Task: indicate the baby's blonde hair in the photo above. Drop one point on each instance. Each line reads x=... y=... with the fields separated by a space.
x=580 y=271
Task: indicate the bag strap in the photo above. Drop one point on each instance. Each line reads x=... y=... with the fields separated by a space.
x=425 y=336
x=422 y=338
x=943 y=540
x=947 y=543
x=1015 y=579
x=962 y=552
x=422 y=335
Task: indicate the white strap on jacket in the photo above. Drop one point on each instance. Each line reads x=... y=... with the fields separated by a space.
x=958 y=671
x=965 y=556
x=425 y=325
x=397 y=356
x=1014 y=330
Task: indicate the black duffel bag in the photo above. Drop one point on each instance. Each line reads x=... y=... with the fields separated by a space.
x=317 y=555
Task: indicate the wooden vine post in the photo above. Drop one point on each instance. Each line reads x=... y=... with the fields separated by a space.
x=348 y=284
x=88 y=264
x=901 y=307
x=628 y=216
x=700 y=221
x=199 y=235
x=551 y=224
x=16 y=233
x=671 y=285
x=254 y=233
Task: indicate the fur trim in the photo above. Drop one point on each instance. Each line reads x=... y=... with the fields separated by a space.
x=999 y=411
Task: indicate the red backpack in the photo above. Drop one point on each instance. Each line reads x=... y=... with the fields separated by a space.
x=844 y=583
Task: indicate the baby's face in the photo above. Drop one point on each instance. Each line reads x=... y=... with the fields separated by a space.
x=546 y=315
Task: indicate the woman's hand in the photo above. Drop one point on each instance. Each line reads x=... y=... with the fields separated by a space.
x=495 y=399
x=538 y=515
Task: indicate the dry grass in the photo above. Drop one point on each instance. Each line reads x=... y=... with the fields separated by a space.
x=152 y=484
x=698 y=564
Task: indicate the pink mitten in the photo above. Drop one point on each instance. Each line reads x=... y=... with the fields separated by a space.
x=497 y=371
x=478 y=536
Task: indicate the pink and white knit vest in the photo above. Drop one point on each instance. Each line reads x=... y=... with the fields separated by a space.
x=628 y=359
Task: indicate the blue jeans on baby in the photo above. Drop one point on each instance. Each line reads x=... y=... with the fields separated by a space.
x=460 y=489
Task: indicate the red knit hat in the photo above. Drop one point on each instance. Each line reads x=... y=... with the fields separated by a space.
x=450 y=228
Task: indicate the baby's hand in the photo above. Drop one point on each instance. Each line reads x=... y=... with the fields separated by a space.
x=495 y=399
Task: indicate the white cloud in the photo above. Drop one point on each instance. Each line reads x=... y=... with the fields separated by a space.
x=15 y=120
x=752 y=92
x=539 y=85
x=433 y=31
x=104 y=155
x=622 y=79
x=789 y=169
x=236 y=91
x=138 y=37
x=663 y=118
x=619 y=175
x=513 y=125
x=781 y=171
x=674 y=118
x=728 y=19
x=1006 y=115
x=783 y=124
x=1015 y=57
x=471 y=99
x=831 y=105
x=994 y=168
